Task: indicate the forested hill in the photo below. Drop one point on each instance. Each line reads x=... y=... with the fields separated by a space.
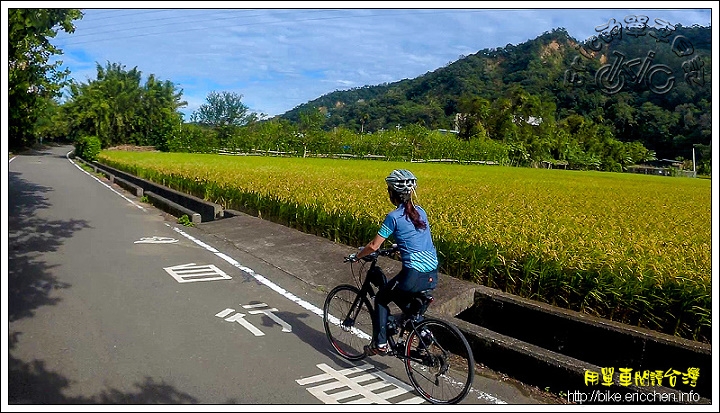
x=660 y=94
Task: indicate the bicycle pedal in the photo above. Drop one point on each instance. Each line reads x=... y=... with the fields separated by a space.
x=375 y=351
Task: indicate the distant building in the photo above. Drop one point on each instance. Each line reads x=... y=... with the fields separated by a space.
x=531 y=120
x=664 y=167
x=666 y=163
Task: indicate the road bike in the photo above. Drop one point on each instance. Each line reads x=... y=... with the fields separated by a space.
x=437 y=357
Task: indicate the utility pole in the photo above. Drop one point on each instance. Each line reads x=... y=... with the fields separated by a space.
x=694 y=168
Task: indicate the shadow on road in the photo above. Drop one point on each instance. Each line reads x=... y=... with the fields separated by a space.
x=30 y=286
x=29 y=278
x=32 y=383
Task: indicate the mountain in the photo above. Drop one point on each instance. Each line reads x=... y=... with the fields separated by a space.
x=654 y=87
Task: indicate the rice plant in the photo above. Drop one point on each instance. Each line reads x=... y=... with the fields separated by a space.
x=631 y=248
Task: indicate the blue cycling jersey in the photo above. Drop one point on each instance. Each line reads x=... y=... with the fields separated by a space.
x=415 y=245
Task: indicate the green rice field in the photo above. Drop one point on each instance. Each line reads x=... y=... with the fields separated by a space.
x=630 y=248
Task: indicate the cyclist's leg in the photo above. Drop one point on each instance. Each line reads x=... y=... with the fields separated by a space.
x=407 y=281
x=382 y=301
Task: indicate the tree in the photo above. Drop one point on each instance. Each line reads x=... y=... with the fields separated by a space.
x=52 y=124
x=119 y=110
x=159 y=119
x=222 y=109
x=363 y=118
x=31 y=79
x=224 y=112
x=473 y=115
x=310 y=128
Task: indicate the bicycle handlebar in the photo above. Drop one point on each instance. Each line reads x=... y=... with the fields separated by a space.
x=385 y=252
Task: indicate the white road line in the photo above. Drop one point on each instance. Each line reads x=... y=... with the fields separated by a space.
x=67 y=155
x=302 y=303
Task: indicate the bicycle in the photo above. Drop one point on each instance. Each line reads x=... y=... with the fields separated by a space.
x=437 y=356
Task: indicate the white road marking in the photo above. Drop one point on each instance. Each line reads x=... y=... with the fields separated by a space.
x=156 y=240
x=359 y=387
x=67 y=155
x=286 y=328
x=192 y=273
x=224 y=313
x=240 y=319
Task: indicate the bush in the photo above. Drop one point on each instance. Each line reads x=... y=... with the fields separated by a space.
x=88 y=147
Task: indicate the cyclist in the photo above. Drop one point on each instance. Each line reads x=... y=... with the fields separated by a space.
x=408 y=225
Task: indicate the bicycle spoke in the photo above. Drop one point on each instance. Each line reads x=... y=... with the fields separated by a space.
x=348 y=322
x=444 y=370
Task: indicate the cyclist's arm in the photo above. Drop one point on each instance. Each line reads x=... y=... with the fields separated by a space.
x=372 y=246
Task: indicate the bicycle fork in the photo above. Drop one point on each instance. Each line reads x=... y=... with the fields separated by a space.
x=352 y=315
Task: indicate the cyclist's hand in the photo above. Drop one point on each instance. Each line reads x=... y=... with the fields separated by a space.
x=352 y=257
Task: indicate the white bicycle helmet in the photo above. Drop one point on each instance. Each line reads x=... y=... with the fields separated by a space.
x=402 y=182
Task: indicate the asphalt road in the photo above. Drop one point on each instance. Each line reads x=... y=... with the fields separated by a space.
x=110 y=301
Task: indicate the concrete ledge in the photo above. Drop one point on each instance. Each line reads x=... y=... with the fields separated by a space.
x=209 y=211
x=172 y=207
x=453 y=296
x=546 y=369
x=598 y=341
x=138 y=191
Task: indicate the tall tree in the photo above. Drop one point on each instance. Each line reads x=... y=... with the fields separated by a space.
x=224 y=112
x=223 y=109
x=159 y=119
x=473 y=114
x=117 y=109
x=31 y=79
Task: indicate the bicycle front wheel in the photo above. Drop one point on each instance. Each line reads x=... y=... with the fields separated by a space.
x=347 y=316
x=439 y=362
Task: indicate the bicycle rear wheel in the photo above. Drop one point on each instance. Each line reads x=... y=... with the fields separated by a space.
x=440 y=365
x=347 y=317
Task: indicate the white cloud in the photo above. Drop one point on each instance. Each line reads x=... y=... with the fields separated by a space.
x=279 y=58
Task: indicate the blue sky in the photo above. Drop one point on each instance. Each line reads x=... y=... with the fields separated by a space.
x=278 y=55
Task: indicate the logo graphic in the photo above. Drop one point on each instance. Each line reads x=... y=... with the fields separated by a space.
x=620 y=69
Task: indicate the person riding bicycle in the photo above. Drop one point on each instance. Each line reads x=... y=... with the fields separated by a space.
x=408 y=225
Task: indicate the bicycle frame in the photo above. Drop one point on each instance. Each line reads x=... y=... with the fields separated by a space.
x=373 y=275
x=366 y=290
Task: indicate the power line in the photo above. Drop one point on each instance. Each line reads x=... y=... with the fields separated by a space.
x=71 y=43
x=105 y=26
x=115 y=15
